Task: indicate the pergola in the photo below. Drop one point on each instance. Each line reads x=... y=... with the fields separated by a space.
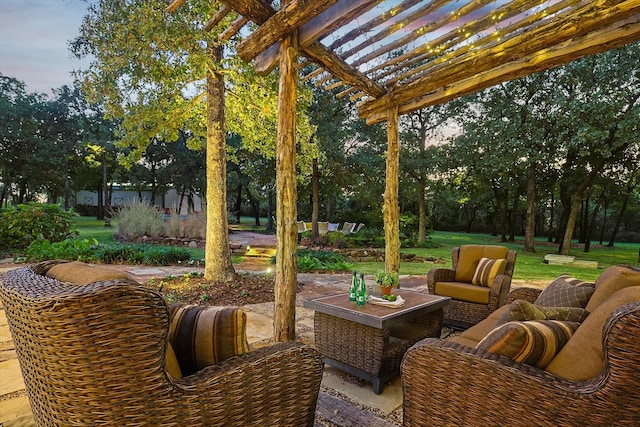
x=397 y=56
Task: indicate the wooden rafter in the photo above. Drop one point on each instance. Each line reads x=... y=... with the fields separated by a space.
x=339 y=14
x=606 y=38
x=288 y=19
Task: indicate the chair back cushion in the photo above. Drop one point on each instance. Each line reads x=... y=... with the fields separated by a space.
x=610 y=281
x=470 y=255
x=202 y=336
x=583 y=356
x=82 y=274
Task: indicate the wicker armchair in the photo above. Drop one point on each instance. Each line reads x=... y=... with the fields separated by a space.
x=463 y=311
x=95 y=355
x=446 y=383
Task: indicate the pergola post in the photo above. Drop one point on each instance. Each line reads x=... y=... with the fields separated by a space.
x=390 y=207
x=286 y=209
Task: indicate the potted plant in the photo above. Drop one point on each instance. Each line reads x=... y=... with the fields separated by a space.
x=386 y=281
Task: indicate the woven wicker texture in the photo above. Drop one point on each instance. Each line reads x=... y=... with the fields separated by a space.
x=372 y=350
x=450 y=384
x=95 y=355
x=464 y=313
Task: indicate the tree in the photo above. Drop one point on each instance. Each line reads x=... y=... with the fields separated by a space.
x=161 y=73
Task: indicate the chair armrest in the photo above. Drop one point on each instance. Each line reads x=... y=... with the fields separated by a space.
x=498 y=291
x=439 y=275
x=445 y=383
x=527 y=294
x=275 y=385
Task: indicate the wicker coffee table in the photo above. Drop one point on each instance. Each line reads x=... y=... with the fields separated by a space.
x=370 y=341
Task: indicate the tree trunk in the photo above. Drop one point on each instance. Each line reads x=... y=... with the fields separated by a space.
x=616 y=226
x=315 y=200
x=270 y=224
x=255 y=207
x=238 y=205
x=422 y=212
x=590 y=225
x=551 y=217
x=390 y=207
x=287 y=231
x=530 y=227
x=218 y=266
x=604 y=218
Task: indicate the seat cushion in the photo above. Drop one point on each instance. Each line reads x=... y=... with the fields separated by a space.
x=611 y=281
x=202 y=336
x=82 y=273
x=565 y=291
x=463 y=292
x=487 y=270
x=521 y=310
x=583 y=356
x=533 y=342
x=469 y=256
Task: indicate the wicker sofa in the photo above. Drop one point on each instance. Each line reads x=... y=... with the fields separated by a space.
x=592 y=380
x=97 y=354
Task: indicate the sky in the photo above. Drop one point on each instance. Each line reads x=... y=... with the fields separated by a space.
x=34 y=36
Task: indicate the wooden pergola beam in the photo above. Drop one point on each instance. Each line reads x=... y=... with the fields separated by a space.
x=321 y=55
x=259 y=12
x=288 y=19
x=511 y=50
x=610 y=37
x=341 y=13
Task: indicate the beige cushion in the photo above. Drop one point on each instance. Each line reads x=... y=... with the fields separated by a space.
x=583 y=356
x=82 y=273
x=463 y=292
x=171 y=363
x=610 y=281
x=481 y=329
x=521 y=310
x=469 y=256
x=534 y=342
x=487 y=270
x=564 y=291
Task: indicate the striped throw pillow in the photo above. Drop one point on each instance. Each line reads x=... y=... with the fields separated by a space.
x=202 y=336
x=487 y=270
x=534 y=342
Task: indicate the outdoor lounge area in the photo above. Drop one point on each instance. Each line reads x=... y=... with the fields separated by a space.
x=602 y=322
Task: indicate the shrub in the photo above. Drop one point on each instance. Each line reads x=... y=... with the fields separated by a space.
x=22 y=224
x=78 y=249
x=139 y=219
x=92 y=251
x=309 y=260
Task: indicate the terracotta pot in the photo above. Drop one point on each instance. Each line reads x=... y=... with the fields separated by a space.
x=386 y=290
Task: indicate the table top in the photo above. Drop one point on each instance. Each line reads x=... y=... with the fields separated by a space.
x=416 y=303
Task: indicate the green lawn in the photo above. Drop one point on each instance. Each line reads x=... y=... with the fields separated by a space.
x=528 y=266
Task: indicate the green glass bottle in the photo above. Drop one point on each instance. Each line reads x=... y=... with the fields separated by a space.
x=361 y=294
x=354 y=287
